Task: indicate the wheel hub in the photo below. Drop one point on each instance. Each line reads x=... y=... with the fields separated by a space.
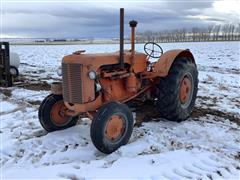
x=114 y=127
x=58 y=115
x=185 y=89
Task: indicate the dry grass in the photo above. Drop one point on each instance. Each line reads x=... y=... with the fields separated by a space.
x=222 y=87
x=209 y=78
x=6 y=92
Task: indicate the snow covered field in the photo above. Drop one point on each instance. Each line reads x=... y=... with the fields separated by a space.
x=206 y=146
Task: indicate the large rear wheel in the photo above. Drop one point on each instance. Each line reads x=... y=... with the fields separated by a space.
x=52 y=114
x=178 y=90
x=111 y=127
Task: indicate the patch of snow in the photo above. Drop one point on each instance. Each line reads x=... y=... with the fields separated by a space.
x=28 y=95
x=6 y=106
x=179 y=164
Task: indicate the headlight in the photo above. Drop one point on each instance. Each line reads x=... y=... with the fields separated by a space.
x=59 y=71
x=92 y=75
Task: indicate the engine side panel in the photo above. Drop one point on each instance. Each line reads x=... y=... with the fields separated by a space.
x=140 y=63
x=115 y=89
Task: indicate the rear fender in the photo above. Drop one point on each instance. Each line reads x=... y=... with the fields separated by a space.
x=163 y=65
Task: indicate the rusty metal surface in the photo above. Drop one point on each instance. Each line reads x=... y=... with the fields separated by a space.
x=77 y=86
x=121 y=38
x=185 y=89
x=132 y=42
x=132 y=83
x=133 y=25
x=79 y=52
x=112 y=74
x=56 y=88
x=72 y=83
x=58 y=115
x=162 y=66
x=115 y=127
x=95 y=61
x=86 y=107
x=115 y=90
x=144 y=90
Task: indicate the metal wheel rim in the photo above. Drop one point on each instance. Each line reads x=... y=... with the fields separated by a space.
x=57 y=114
x=186 y=90
x=115 y=128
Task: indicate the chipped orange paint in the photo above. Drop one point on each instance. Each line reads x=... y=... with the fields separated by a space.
x=86 y=107
x=95 y=61
x=185 y=90
x=163 y=65
x=115 y=90
x=132 y=83
x=56 y=88
x=114 y=127
x=58 y=115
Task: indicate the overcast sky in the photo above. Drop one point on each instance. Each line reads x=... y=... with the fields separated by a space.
x=100 y=19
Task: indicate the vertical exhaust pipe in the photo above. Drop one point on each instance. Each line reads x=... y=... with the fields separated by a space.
x=121 y=51
x=133 y=25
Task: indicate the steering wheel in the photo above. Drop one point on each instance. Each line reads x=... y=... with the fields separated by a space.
x=153 y=50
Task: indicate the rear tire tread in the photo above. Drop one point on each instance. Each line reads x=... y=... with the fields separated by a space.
x=168 y=95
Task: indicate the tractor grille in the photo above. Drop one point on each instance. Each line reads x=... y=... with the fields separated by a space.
x=72 y=83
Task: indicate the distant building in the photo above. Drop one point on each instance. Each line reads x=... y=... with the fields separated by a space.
x=40 y=41
x=59 y=40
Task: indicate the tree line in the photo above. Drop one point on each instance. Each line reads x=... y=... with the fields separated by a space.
x=226 y=32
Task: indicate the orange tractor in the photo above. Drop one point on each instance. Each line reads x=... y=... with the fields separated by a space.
x=98 y=86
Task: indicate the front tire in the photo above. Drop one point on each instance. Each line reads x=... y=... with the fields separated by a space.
x=178 y=90
x=51 y=114
x=111 y=127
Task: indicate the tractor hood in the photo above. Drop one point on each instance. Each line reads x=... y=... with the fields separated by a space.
x=94 y=61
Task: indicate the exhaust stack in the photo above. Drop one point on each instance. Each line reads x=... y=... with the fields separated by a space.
x=133 y=25
x=121 y=51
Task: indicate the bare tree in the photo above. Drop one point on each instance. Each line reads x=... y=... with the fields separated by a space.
x=227 y=32
x=232 y=29
x=209 y=30
x=216 y=32
x=238 y=32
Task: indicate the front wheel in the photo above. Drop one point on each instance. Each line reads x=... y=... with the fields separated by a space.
x=178 y=90
x=111 y=127
x=52 y=115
